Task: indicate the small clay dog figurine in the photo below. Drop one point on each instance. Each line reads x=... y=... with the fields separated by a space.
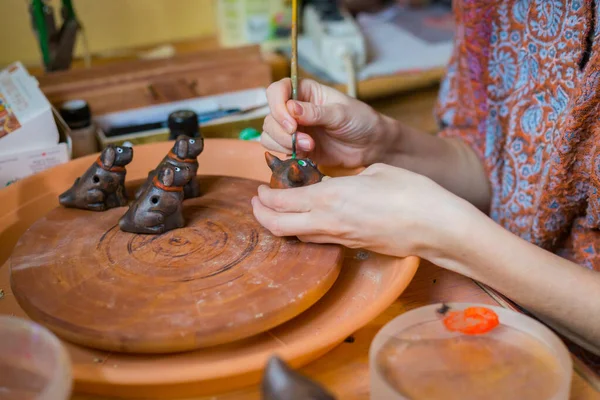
x=185 y=152
x=292 y=173
x=159 y=207
x=102 y=186
x=280 y=382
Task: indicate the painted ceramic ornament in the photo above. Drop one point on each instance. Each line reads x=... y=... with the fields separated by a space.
x=292 y=173
x=159 y=207
x=280 y=382
x=102 y=186
x=184 y=153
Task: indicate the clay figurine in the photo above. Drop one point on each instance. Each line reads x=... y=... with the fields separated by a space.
x=185 y=152
x=102 y=186
x=293 y=172
x=280 y=382
x=159 y=209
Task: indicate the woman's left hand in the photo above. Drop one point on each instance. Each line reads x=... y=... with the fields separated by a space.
x=384 y=209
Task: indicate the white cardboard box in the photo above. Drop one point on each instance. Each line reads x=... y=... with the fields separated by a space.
x=33 y=136
x=26 y=120
x=26 y=163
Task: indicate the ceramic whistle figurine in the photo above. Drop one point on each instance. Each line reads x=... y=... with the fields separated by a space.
x=159 y=209
x=185 y=152
x=102 y=186
x=292 y=173
x=280 y=382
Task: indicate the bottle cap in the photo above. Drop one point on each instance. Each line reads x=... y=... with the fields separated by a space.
x=183 y=122
x=76 y=113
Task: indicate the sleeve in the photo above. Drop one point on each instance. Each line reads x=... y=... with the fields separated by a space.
x=462 y=107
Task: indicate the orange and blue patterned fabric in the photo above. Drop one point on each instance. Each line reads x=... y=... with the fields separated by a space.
x=523 y=90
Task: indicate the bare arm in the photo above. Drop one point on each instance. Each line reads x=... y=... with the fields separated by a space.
x=397 y=212
x=449 y=162
x=546 y=284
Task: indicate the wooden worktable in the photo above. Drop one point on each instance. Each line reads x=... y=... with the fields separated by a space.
x=345 y=370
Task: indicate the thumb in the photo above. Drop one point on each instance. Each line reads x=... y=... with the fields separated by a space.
x=309 y=114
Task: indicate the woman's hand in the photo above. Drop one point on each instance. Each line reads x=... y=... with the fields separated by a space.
x=335 y=129
x=384 y=209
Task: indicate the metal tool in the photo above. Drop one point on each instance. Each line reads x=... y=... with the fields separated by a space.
x=56 y=44
x=294 y=64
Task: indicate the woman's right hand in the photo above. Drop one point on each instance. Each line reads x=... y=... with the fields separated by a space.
x=333 y=129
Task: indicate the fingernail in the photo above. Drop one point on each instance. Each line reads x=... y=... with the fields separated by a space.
x=298 y=109
x=304 y=144
x=287 y=125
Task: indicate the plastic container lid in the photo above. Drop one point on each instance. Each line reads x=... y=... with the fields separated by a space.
x=33 y=363
x=416 y=356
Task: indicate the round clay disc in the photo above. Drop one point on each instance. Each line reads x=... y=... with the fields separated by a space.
x=221 y=278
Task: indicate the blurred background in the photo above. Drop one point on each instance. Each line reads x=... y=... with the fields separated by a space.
x=112 y=71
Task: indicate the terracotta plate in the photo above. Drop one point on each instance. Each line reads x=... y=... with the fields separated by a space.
x=221 y=278
x=367 y=285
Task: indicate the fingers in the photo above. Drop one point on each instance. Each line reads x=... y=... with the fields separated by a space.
x=309 y=91
x=313 y=92
x=282 y=224
x=277 y=95
x=276 y=138
x=321 y=239
x=267 y=141
x=375 y=169
x=308 y=114
x=295 y=200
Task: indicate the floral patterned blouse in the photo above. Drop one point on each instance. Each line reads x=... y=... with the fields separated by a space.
x=523 y=89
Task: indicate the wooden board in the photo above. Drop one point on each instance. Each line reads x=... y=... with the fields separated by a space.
x=221 y=278
x=139 y=83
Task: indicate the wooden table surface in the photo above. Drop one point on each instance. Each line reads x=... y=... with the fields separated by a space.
x=345 y=370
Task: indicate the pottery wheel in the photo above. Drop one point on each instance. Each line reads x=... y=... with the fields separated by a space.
x=221 y=278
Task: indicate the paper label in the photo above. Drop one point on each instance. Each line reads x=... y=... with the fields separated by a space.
x=8 y=120
x=21 y=92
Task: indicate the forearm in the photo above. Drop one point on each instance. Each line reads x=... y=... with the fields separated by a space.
x=540 y=281
x=449 y=162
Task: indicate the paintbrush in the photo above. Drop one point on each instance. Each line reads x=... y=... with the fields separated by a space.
x=294 y=64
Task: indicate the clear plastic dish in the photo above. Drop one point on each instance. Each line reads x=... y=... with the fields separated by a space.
x=33 y=363
x=415 y=357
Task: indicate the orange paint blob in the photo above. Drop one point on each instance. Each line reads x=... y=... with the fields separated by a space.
x=471 y=320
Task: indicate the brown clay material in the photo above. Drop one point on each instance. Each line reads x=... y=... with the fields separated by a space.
x=102 y=186
x=365 y=289
x=280 y=382
x=184 y=153
x=223 y=277
x=292 y=173
x=159 y=207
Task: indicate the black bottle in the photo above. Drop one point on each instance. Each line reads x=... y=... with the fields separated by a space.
x=183 y=122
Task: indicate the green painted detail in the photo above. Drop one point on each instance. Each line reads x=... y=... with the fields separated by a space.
x=302 y=163
x=249 y=134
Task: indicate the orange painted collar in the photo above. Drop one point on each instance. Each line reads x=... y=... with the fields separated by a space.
x=159 y=185
x=186 y=160
x=115 y=168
